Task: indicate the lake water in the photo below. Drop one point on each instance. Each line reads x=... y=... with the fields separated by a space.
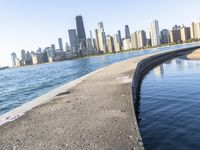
x=21 y=85
x=169 y=117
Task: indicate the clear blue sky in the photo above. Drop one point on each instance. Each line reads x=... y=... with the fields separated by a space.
x=29 y=24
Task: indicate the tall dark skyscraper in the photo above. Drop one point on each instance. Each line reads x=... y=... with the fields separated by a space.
x=60 y=44
x=23 y=55
x=81 y=32
x=127 y=32
x=73 y=40
x=120 y=39
x=97 y=39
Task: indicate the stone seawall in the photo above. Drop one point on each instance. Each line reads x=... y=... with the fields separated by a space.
x=150 y=62
x=96 y=113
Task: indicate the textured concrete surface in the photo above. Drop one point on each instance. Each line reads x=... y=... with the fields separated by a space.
x=195 y=55
x=95 y=114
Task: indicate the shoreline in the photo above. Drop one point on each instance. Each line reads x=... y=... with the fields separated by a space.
x=87 y=113
x=21 y=110
x=45 y=98
x=107 y=54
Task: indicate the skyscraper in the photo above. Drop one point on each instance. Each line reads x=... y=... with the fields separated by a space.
x=14 y=59
x=67 y=47
x=23 y=55
x=197 y=30
x=141 y=34
x=154 y=33
x=185 y=33
x=192 y=30
x=110 y=44
x=127 y=32
x=91 y=42
x=127 y=44
x=28 y=58
x=97 y=40
x=102 y=37
x=81 y=32
x=53 y=47
x=120 y=39
x=164 y=36
x=134 y=40
x=73 y=40
x=60 y=44
x=120 y=36
x=116 y=43
x=51 y=52
x=175 y=35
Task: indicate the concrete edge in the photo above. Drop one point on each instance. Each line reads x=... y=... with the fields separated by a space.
x=143 y=66
x=148 y=63
x=45 y=98
x=21 y=110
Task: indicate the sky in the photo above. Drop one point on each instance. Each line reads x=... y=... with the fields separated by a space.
x=29 y=24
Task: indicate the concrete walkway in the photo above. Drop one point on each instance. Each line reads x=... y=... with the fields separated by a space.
x=95 y=114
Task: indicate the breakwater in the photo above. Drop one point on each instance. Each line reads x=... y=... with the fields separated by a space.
x=22 y=85
x=95 y=113
x=169 y=104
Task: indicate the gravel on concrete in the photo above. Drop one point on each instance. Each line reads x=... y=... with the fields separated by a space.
x=96 y=114
x=195 y=55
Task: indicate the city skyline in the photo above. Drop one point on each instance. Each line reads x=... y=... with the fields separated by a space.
x=32 y=38
x=81 y=46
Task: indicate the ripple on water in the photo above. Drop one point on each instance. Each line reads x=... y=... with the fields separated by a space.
x=18 y=86
x=170 y=106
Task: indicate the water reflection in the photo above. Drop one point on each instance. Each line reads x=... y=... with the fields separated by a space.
x=169 y=110
x=168 y=62
x=21 y=85
x=159 y=71
x=180 y=64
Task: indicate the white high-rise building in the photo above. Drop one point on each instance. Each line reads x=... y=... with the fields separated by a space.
x=197 y=30
x=134 y=40
x=154 y=33
x=102 y=37
x=141 y=36
x=91 y=44
x=185 y=33
x=14 y=59
x=67 y=47
x=110 y=44
x=127 y=44
x=116 y=40
x=192 y=30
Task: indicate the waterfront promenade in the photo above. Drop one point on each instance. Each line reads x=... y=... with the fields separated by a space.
x=96 y=113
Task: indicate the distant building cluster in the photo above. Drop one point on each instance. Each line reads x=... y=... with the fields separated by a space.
x=80 y=45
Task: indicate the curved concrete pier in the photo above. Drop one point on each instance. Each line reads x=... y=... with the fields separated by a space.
x=95 y=113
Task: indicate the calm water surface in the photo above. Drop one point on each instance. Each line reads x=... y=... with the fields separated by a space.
x=170 y=106
x=18 y=86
